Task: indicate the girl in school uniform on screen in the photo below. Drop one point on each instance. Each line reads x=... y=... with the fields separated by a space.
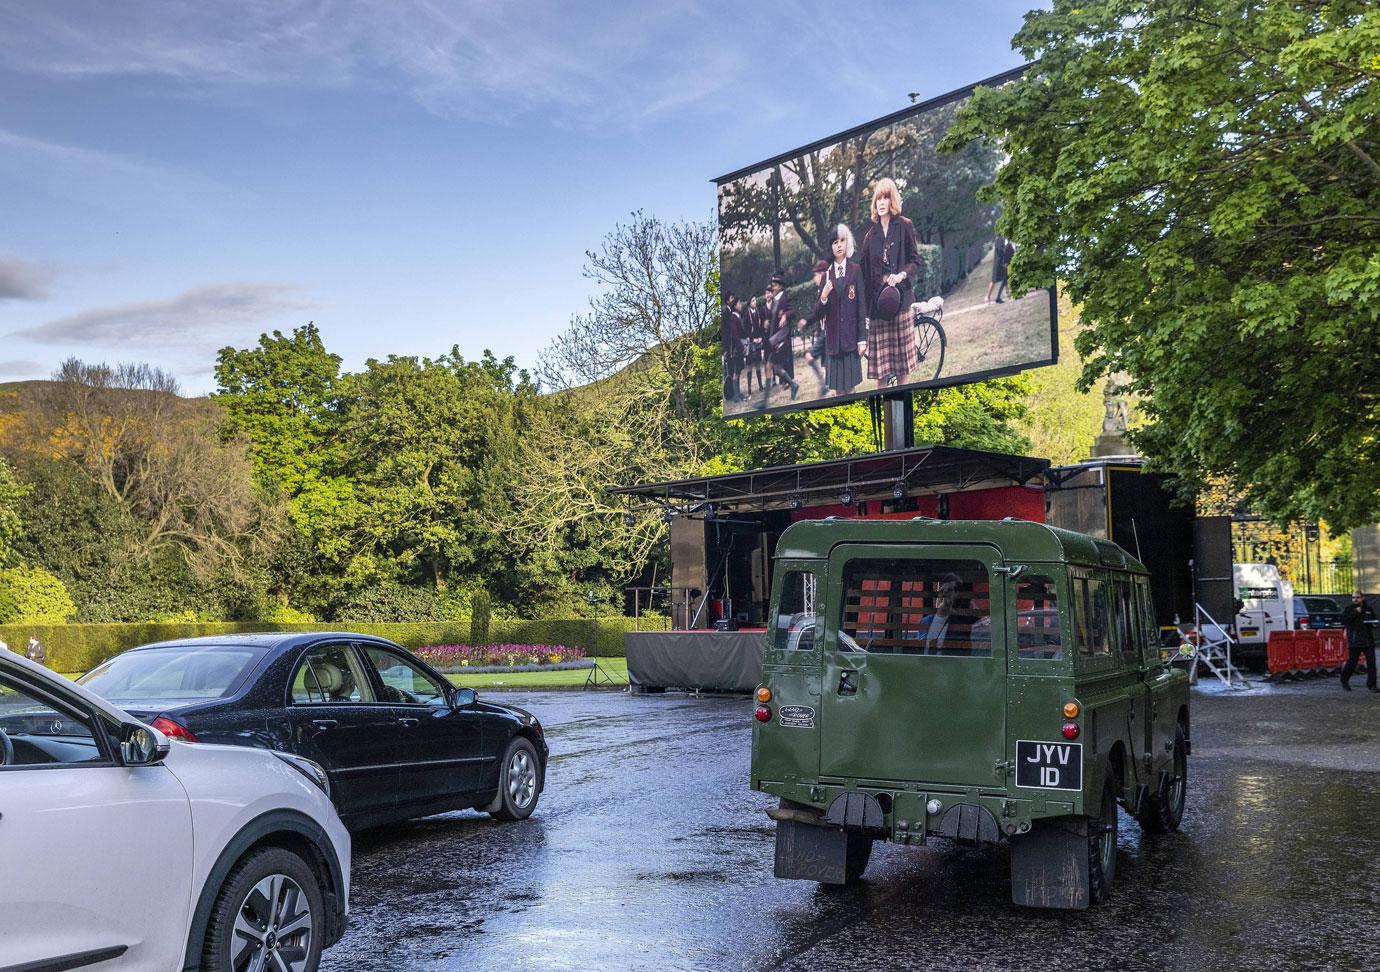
x=841 y=310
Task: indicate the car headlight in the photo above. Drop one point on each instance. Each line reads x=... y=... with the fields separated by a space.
x=311 y=770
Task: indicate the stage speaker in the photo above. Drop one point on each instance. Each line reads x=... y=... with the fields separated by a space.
x=1212 y=562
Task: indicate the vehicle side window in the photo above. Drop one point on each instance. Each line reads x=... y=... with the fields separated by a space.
x=1090 y=617
x=403 y=681
x=916 y=607
x=1146 y=609
x=42 y=735
x=331 y=674
x=797 y=618
x=1124 y=619
x=1039 y=632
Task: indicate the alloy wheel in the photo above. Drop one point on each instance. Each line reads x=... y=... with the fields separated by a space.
x=522 y=779
x=273 y=928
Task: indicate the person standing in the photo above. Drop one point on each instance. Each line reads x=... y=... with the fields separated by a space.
x=1002 y=252
x=841 y=310
x=781 y=351
x=36 y=652
x=731 y=332
x=889 y=266
x=1359 y=620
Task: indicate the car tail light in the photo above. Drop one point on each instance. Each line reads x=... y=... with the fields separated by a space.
x=1071 y=710
x=1070 y=730
x=763 y=713
x=764 y=694
x=1303 y=622
x=173 y=730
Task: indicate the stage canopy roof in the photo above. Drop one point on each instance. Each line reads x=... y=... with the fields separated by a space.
x=923 y=470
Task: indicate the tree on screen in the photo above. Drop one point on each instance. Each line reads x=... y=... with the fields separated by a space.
x=812 y=192
x=1205 y=178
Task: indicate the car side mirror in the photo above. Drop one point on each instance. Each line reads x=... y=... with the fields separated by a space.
x=1187 y=651
x=464 y=698
x=140 y=746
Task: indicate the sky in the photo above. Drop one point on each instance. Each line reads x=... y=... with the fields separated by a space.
x=411 y=175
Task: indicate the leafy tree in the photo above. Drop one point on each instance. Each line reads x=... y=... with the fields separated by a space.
x=160 y=457
x=1204 y=176
x=279 y=396
x=11 y=525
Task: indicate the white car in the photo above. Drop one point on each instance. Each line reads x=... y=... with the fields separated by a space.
x=121 y=850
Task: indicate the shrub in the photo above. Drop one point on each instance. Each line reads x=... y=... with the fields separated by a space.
x=81 y=647
x=391 y=603
x=481 y=614
x=31 y=595
x=450 y=657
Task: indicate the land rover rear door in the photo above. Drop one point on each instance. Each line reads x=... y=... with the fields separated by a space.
x=914 y=669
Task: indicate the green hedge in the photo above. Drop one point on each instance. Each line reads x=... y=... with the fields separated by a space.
x=81 y=647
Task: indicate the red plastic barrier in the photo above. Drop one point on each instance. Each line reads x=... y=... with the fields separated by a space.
x=1333 y=647
x=1279 y=651
x=1308 y=650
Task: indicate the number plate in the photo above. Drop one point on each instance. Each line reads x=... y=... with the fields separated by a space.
x=1049 y=766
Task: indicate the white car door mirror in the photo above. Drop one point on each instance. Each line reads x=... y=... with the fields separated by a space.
x=139 y=746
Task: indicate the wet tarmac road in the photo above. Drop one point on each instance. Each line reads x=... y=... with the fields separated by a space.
x=648 y=852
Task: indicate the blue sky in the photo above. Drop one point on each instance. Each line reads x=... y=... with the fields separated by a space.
x=410 y=174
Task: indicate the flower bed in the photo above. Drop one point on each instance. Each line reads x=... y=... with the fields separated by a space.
x=457 y=657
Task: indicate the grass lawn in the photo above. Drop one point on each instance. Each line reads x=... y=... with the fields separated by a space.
x=614 y=668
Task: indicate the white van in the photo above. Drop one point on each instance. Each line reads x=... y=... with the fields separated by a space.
x=1266 y=604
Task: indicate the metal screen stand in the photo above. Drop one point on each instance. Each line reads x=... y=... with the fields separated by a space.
x=1214 y=653
x=597 y=677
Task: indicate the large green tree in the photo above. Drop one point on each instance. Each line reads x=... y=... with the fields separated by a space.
x=11 y=525
x=1204 y=177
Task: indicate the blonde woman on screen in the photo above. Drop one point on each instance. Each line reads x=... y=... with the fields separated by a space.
x=889 y=267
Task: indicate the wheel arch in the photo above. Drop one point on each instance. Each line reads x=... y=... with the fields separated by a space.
x=290 y=831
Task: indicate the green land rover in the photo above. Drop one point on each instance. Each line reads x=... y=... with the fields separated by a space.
x=973 y=680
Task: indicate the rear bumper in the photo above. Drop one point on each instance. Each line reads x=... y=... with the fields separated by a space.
x=916 y=812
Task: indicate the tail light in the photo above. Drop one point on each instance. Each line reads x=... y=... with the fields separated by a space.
x=1070 y=730
x=174 y=730
x=1303 y=622
x=764 y=694
x=763 y=713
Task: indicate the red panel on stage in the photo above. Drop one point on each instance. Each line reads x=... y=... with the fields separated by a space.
x=1026 y=502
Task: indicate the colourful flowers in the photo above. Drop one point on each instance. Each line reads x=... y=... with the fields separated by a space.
x=447 y=657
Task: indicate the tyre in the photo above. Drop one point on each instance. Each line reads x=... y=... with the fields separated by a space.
x=930 y=342
x=1163 y=812
x=1102 y=833
x=519 y=781
x=859 y=853
x=268 y=915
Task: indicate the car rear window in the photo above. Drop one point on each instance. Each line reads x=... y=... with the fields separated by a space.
x=179 y=673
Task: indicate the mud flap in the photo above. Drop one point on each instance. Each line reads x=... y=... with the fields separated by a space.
x=1049 y=865
x=807 y=852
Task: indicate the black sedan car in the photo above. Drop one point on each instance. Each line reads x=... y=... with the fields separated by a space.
x=396 y=739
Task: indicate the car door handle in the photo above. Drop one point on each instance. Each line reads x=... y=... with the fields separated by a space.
x=408 y=722
x=846 y=684
x=324 y=724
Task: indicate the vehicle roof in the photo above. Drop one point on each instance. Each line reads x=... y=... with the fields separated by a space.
x=1016 y=539
x=259 y=639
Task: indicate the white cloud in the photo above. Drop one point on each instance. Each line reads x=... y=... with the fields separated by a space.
x=20 y=369
x=589 y=64
x=22 y=280
x=200 y=320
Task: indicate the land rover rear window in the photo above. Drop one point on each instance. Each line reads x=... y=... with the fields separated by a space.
x=1090 y=628
x=1038 y=628
x=797 y=617
x=916 y=607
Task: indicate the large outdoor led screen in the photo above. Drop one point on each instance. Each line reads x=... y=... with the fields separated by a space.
x=830 y=294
